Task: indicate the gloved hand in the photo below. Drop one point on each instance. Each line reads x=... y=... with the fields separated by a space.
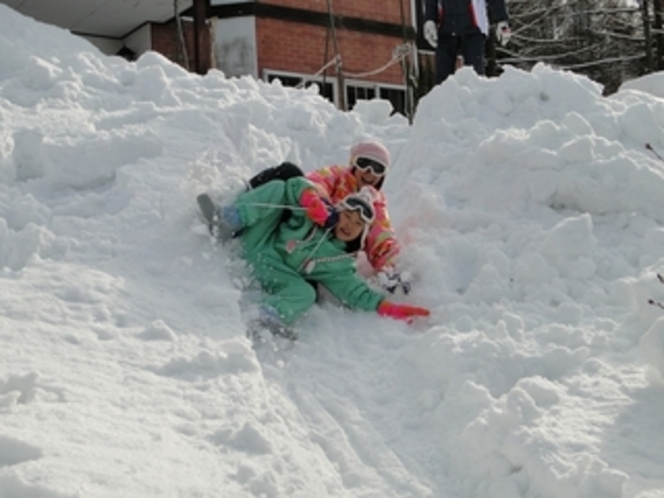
x=391 y=280
x=401 y=311
x=332 y=215
x=503 y=33
x=320 y=212
x=430 y=32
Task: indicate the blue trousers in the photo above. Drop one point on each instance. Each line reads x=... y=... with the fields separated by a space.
x=471 y=47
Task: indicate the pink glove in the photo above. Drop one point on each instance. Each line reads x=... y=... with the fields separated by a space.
x=316 y=208
x=401 y=311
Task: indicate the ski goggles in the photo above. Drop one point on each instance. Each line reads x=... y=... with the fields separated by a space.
x=353 y=203
x=366 y=163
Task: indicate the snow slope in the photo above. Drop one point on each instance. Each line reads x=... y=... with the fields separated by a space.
x=531 y=215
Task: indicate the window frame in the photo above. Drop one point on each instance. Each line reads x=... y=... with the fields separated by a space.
x=375 y=86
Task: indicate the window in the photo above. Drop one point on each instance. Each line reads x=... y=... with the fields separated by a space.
x=326 y=86
x=397 y=97
x=354 y=90
x=366 y=91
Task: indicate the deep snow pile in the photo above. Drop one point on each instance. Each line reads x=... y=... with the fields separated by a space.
x=531 y=214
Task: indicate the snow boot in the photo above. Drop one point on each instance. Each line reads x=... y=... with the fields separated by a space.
x=268 y=319
x=223 y=222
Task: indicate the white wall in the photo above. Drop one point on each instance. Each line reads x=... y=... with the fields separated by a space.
x=234 y=46
x=140 y=41
x=107 y=46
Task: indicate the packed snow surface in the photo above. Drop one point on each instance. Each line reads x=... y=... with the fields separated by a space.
x=531 y=216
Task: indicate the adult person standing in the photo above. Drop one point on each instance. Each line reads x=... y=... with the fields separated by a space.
x=460 y=27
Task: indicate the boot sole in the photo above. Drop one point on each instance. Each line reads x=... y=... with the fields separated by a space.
x=208 y=210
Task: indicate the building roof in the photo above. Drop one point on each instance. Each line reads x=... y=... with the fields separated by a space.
x=106 y=18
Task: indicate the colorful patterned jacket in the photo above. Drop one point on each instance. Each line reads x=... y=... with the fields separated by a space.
x=337 y=182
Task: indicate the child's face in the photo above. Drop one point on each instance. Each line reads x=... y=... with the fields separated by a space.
x=349 y=227
x=366 y=178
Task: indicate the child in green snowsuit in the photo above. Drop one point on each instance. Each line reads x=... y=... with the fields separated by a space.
x=309 y=245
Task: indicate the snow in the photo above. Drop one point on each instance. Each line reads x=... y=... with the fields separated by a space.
x=532 y=219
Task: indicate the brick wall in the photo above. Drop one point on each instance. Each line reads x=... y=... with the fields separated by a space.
x=376 y=10
x=165 y=41
x=301 y=48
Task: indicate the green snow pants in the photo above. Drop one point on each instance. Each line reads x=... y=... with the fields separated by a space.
x=287 y=292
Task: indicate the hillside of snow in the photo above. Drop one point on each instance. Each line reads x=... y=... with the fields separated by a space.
x=531 y=215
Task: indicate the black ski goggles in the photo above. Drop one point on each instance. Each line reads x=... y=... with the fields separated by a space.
x=366 y=163
x=365 y=209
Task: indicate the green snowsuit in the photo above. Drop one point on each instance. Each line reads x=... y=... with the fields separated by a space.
x=286 y=255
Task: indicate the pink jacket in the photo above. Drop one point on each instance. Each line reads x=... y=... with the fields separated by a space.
x=381 y=246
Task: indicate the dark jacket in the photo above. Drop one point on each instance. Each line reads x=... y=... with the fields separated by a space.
x=464 y=17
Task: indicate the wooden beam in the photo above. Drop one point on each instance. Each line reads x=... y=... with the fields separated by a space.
x=200 y=17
